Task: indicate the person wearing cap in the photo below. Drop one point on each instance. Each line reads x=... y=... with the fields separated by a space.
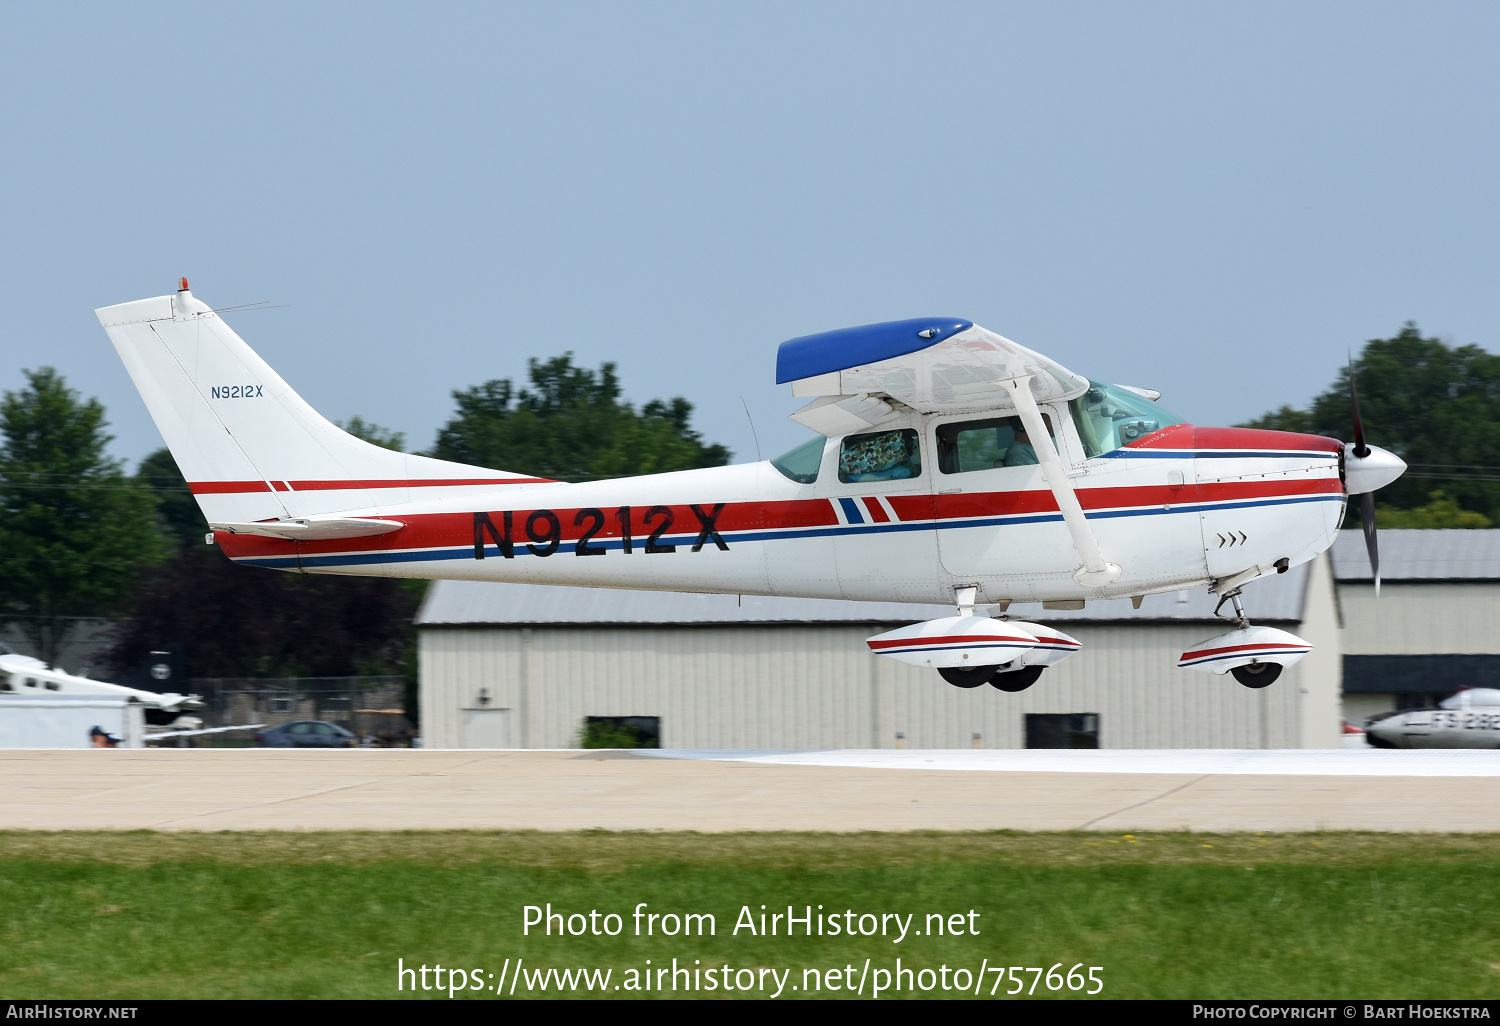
x=103 y=738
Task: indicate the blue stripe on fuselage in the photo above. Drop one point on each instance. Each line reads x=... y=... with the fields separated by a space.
x=851 y=511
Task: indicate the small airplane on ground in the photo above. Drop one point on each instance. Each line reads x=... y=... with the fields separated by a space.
x=24 y=675
x=949 y=465
x=1468 y=719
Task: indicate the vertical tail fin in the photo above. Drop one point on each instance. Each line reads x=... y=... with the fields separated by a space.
x=250 y=447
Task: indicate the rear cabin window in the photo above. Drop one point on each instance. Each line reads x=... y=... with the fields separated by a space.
x=882 y=456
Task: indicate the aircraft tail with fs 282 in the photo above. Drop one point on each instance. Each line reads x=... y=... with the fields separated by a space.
x=949 y=465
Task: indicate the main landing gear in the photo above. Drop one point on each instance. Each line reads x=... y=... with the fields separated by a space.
x=1254 y=655
x=995 y=676
x=969 y=650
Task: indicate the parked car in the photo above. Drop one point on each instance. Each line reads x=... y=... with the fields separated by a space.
x=1354 y=736
x=306 y=734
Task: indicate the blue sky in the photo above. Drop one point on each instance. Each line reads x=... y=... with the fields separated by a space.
x=1214 y=200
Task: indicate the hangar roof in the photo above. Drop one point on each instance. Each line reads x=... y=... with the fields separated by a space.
x=469 y=603
x=1415 y=556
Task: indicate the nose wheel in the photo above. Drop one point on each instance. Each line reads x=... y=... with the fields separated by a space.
x=1255 y=655
x=1257 y=675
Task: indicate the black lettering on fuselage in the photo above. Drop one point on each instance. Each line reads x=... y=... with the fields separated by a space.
x=482 y=523
x=548 y=541
x=653 y=543
x=544 y=529
x=626 y=538
x=596 y=523
x=708 y=529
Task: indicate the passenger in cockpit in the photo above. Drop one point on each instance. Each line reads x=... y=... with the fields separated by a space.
x=1021 y=452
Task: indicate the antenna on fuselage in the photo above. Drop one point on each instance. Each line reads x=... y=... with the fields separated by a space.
x=753 y=435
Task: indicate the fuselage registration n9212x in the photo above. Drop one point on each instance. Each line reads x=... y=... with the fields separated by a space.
x=949 y=465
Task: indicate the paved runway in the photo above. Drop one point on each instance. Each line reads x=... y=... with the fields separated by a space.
x=249 y=789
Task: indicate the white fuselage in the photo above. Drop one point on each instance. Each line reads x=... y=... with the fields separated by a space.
x=23 y=675
x=1439 y=728
x=1178 y=509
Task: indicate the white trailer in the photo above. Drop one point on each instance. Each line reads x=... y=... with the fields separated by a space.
x=67 y=721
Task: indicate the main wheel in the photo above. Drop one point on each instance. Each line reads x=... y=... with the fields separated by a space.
x=1017 y=680
x=1257 y=675
x=967 y=676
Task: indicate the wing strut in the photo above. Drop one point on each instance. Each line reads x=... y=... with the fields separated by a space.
x=1095 y=572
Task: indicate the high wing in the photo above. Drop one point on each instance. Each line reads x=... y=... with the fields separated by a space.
x=931 y=365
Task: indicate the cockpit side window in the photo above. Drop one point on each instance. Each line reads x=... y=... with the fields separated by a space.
x=1108 y=417
x=801 y=464
x=882 y=456
x=985 y=445
x=973 y=445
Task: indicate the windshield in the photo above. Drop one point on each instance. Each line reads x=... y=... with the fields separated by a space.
x=1108 y=416
x=801 y=464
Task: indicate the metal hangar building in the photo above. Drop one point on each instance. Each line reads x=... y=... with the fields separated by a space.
x=526 y=666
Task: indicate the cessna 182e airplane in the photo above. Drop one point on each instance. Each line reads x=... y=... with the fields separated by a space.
x=950 y=465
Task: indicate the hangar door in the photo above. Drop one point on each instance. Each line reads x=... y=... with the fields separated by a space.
x=487 y=728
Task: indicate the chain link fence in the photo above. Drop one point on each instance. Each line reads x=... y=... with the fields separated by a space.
x=371 y=707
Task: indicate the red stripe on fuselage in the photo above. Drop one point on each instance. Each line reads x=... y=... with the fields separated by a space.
x=877 y=511
x=451 y=530
x=989 y=504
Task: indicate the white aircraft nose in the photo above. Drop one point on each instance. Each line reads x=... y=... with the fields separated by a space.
x=1368 y=473
x=1387 y=730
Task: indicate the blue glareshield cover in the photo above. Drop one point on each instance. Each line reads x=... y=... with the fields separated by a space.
x=829 y=351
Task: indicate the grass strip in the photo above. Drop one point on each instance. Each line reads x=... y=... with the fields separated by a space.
x=293 y=915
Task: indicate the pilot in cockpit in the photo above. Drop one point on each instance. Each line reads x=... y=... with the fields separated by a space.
x=1020 y=453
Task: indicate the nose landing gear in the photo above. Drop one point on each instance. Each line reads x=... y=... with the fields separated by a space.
x=1254 y=655
x=1257 y=675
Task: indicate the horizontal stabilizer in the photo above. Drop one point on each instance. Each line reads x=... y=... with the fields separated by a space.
x=313 y=528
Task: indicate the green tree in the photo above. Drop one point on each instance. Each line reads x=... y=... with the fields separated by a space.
x=76 y=532
x=236 y=621
x=374 y=433
x=1436 y=406
x=1441 y=512
x=181 y=518
x=571 y=425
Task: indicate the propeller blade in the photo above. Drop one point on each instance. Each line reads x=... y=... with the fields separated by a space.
x=1360 y=448
x=1367 y=524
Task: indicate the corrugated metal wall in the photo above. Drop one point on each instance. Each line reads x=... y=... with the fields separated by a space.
x=800 y=687
x=1421 y=619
